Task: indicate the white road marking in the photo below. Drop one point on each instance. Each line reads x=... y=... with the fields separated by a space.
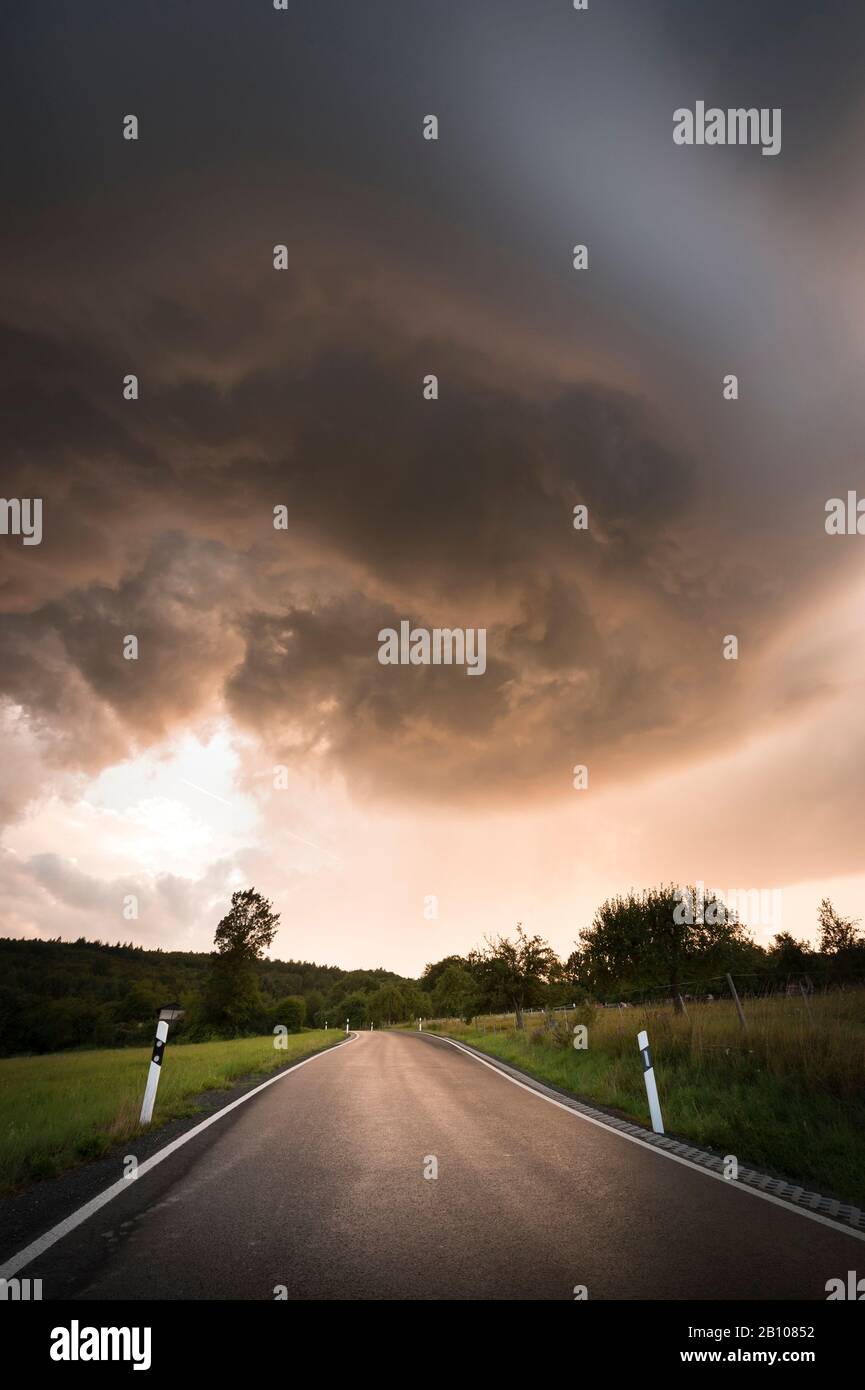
x=38 y=1247
x=663 y=1153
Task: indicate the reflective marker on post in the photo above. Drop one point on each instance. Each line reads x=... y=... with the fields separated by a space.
x=166 y=1016
x=153 y=1074
x=651 y=1084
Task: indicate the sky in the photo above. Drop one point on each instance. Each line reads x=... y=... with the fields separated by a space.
x=398 y=814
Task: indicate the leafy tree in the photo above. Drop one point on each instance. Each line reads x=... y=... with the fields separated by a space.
x=433 y=973
x=232 y=996
x=232 y=999
x=143 y=1002
x=788 y=955
x=837 y=933
x=575 y=977
x=387 y=1005
x=455 y=994
x=658 y=937
x=248 y=928
x=289 y=1013
x=314 y=1002
x=353 y=1007
x=357 y=982
x=514 y=974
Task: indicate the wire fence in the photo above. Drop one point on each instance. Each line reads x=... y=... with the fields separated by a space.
x=746 y=989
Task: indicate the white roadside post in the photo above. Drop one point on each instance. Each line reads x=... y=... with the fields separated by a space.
x=170 y=1014
x=346 y=1025
x=651 y=1084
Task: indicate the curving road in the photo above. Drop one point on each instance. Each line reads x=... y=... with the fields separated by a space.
x=316 y=1185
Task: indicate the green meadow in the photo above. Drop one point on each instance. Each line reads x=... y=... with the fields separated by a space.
x=63 y=1108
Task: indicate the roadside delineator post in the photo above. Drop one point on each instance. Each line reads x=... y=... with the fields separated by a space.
x=651 y=1083
x=346 y=1025
x=170 y=1014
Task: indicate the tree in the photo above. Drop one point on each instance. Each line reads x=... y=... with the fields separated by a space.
x=386 y=1005
x=432 y=973
x=417 y=1001
x=656 y=936
x=837 y=933
x=455 y=994
x=289 y=1013
x=143 y=1002
x=514 y=973
x=248 y=928
x=575 y=977
x=232 y=997
x=352 y=1007
x=314 y=1003
x=788 y=955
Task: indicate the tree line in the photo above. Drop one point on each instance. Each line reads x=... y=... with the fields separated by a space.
x=652 y=944
x=640 y=945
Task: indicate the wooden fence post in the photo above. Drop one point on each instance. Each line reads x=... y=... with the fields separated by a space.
x=740 y=1011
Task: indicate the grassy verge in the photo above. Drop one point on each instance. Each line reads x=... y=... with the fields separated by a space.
x=64 y=1108
x=788 y=1094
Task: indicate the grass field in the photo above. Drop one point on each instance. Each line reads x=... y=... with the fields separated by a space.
x=787 y=1094
x=66 y=1107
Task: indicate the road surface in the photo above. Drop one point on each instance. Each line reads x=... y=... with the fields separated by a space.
x=316 y=1187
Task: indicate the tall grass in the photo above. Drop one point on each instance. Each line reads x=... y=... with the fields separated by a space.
x=787 y=1093
x=63 y=1108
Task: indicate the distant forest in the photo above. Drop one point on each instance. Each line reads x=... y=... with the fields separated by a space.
x=60 y=994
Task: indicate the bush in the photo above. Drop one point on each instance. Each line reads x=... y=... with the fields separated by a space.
x=560 y=1032
x=289 y=1013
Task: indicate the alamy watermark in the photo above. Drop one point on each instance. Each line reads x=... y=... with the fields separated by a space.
x=752 y=906
x=736 y=126
x=852 y=1289
x=845 y=516
x=22 y=516
x=438 y=646
x=20 y=1290
x=77 y=1343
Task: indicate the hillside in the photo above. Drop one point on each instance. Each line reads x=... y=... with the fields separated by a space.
x=59 y=994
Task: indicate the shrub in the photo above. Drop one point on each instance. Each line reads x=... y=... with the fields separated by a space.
x=289 y=1013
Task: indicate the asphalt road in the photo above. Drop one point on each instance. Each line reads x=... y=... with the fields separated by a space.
x=317 y=1185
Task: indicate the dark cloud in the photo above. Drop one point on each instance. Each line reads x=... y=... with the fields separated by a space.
x=304 y=389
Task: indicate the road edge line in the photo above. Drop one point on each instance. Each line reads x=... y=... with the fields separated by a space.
x=37 y=1247
x=602 y=1123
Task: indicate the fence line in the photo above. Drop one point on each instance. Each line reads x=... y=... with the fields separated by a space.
x=792 y=988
